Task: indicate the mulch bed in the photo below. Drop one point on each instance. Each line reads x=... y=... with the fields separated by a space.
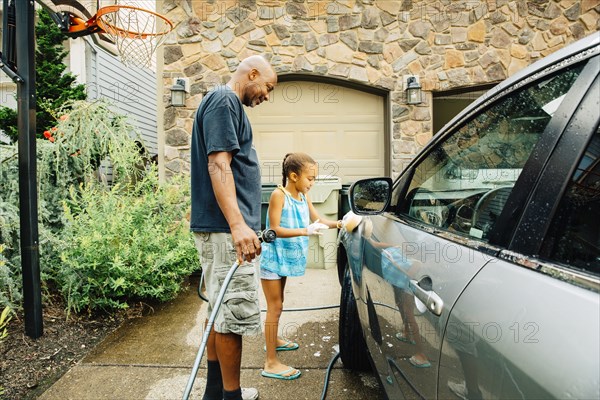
x=29 y=366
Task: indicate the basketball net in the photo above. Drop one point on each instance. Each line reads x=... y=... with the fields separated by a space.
x=137 y=32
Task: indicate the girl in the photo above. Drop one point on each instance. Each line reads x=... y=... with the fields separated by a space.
x=290 y=212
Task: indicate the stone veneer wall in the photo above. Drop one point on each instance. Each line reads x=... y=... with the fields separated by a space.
x=448 y=44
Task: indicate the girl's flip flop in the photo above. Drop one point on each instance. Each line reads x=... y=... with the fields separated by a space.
x=286 y=347
x=282 y=374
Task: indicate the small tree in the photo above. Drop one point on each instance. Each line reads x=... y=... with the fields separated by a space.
x=54 y=86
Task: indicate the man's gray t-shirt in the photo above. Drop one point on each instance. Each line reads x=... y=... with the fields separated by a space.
x=221 y=124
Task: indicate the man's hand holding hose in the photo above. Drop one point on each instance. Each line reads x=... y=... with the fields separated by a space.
x=247 y=245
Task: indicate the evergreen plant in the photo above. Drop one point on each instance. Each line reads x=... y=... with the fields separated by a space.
x=54 y=87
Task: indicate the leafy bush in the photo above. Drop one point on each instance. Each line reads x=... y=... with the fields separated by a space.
x=10 y=260
x=8 y=122
x=70 y=155
x=84 y=137
x=121 y=245
x=50 y=217
x=99 y=246
x=4 y=319
x=10 y=293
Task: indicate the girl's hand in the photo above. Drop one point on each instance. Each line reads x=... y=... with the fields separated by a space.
x=315 y=228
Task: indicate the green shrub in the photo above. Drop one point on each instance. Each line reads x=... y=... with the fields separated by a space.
x=123 y=245
x=9 y=202
x=68 y=157
x=5 y=317
x=88 y=134
x=50 y=217
x=8 y=122
x=100 y=247
x=10 y=290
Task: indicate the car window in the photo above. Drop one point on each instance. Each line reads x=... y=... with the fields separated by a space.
x=464 y=182
x=574 y=237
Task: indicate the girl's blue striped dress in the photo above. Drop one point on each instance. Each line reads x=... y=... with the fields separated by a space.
x=287 y=256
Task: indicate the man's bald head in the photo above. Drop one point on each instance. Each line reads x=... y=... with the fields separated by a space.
x=259 y=64
x=253 y=80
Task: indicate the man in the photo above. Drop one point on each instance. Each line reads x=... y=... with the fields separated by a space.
x=226 y=203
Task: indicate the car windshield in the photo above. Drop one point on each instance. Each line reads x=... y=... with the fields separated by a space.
x=464 y=182
x=493 y=147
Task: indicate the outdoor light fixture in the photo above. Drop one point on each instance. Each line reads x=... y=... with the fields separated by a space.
x=413 y=91
x=178 y=93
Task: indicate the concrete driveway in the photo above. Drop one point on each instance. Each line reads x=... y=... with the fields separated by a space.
x=152 y=357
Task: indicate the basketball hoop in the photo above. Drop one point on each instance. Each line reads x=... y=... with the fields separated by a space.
x=137 y=32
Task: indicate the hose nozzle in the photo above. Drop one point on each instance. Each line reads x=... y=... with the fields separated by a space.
x=266 y=236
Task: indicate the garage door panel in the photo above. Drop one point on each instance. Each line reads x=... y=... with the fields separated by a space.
x=366 y=110
x=315 y=110
x=311 y=95
x=270 y=144
x=319 y=144
x=361 y=145
x=352 y=172
x=324 y=93
x=303 y=120
x=341 y=128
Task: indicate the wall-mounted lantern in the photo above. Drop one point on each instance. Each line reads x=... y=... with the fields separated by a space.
x=413 y=91
x=178 y=93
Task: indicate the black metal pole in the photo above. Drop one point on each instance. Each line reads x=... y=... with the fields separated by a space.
x=8 y=35
x=30 y=260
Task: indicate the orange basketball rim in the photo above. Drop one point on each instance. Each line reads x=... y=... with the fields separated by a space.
x=109 y=20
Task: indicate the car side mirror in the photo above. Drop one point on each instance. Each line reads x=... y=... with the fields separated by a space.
x=370 y=196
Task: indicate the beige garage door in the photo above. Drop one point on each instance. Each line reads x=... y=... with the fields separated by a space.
x=341 y=128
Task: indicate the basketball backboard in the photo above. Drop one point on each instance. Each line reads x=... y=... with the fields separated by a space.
x=85 y=10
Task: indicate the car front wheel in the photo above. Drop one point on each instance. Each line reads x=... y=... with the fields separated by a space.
x=353 y=349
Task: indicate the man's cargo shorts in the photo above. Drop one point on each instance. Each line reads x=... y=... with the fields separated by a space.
x=240 y=311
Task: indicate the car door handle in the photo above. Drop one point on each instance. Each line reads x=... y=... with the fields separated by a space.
x=428 y=297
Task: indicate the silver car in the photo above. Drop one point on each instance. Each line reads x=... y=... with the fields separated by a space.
x=475 y=274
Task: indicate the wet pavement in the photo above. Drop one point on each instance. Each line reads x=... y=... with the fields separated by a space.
x=152 y=357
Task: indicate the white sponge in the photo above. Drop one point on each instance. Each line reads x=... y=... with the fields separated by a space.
x=351 y=221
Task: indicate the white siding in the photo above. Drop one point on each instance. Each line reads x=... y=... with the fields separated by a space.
x=8 y=92
x=131 y=90
x=8 y=89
